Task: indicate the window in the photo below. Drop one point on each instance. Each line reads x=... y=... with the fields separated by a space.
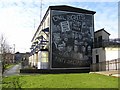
x=100 y=41
x=95 y=42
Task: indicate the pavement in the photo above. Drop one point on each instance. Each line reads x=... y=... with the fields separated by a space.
x=15 y=70
x=12 y=71
x=114 y=73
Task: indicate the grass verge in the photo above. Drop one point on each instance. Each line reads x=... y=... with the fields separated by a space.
x=8 y=66
x=83 y=80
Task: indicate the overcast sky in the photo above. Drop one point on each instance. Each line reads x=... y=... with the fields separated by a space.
x=18 y=18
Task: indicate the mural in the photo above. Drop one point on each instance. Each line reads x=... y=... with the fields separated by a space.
x=72 y=37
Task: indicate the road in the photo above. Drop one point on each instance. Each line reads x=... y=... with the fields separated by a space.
x=12 y=71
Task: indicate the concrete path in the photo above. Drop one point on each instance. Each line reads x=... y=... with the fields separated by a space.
x=12 y=71
x=114 y=73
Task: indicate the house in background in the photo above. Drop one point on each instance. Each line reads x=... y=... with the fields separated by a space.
x=7 y=57
x=20 y=56
x=106 y=52
x=64 y=39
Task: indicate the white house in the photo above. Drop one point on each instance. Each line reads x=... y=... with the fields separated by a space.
x=106 y=52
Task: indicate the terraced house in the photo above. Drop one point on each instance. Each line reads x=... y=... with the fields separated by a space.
x=64 y=39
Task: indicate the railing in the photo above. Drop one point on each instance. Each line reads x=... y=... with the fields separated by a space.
x=107 y=43
x=106 y=65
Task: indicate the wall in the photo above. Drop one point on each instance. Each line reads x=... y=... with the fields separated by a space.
x=103 y=34
x=108 y=59
x=42 y=64
x=98 y=66
x=30 y=60
x=112 y=53
x=100 y=52
x=34 y=59
x=43 y=60
x=71 y=40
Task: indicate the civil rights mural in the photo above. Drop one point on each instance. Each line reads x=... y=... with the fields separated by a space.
x=72 y=37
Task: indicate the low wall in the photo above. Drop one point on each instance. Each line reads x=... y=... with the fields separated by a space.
x=54 y=71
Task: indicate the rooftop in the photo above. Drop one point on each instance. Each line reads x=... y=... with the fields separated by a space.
x=102 y=30
x=71 y=9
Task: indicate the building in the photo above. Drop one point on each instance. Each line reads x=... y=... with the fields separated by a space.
x=7 y=57
x=19 y=57
x=106 y=52
x=64 y=39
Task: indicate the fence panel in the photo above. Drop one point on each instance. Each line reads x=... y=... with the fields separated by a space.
x=106 y=65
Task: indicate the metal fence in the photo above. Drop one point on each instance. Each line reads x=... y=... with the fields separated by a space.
x=107 y=43
x=106 y=65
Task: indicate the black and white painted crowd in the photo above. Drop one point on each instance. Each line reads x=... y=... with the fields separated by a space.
x=72 y=38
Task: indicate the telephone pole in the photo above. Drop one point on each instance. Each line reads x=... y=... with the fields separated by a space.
x=40 y=10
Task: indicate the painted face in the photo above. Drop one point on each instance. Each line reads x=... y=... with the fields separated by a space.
x=57 y=38
x=60 y=48
x=75 y=48
x=69 y=48
x=76 y=42
x=66 y=39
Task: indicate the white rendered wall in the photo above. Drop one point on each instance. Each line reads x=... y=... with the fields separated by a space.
x=108 y=54
x=42 y=60
x=100 y=52
x=103 y=34
x=39 y=60
x=112 y=53
x=30 y=60
x=34 y=59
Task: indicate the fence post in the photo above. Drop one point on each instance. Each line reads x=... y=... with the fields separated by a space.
x=100 y=66
x=108 y=65
x=116 y=63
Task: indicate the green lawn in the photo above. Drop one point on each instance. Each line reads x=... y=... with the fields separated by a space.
x=84 y=80
x=8 y=66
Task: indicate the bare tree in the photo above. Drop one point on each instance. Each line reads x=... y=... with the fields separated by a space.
x=4 y=49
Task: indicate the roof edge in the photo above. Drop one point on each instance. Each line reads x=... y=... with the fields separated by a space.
x=102 y=30
x=71 y=9
x=57 y=7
